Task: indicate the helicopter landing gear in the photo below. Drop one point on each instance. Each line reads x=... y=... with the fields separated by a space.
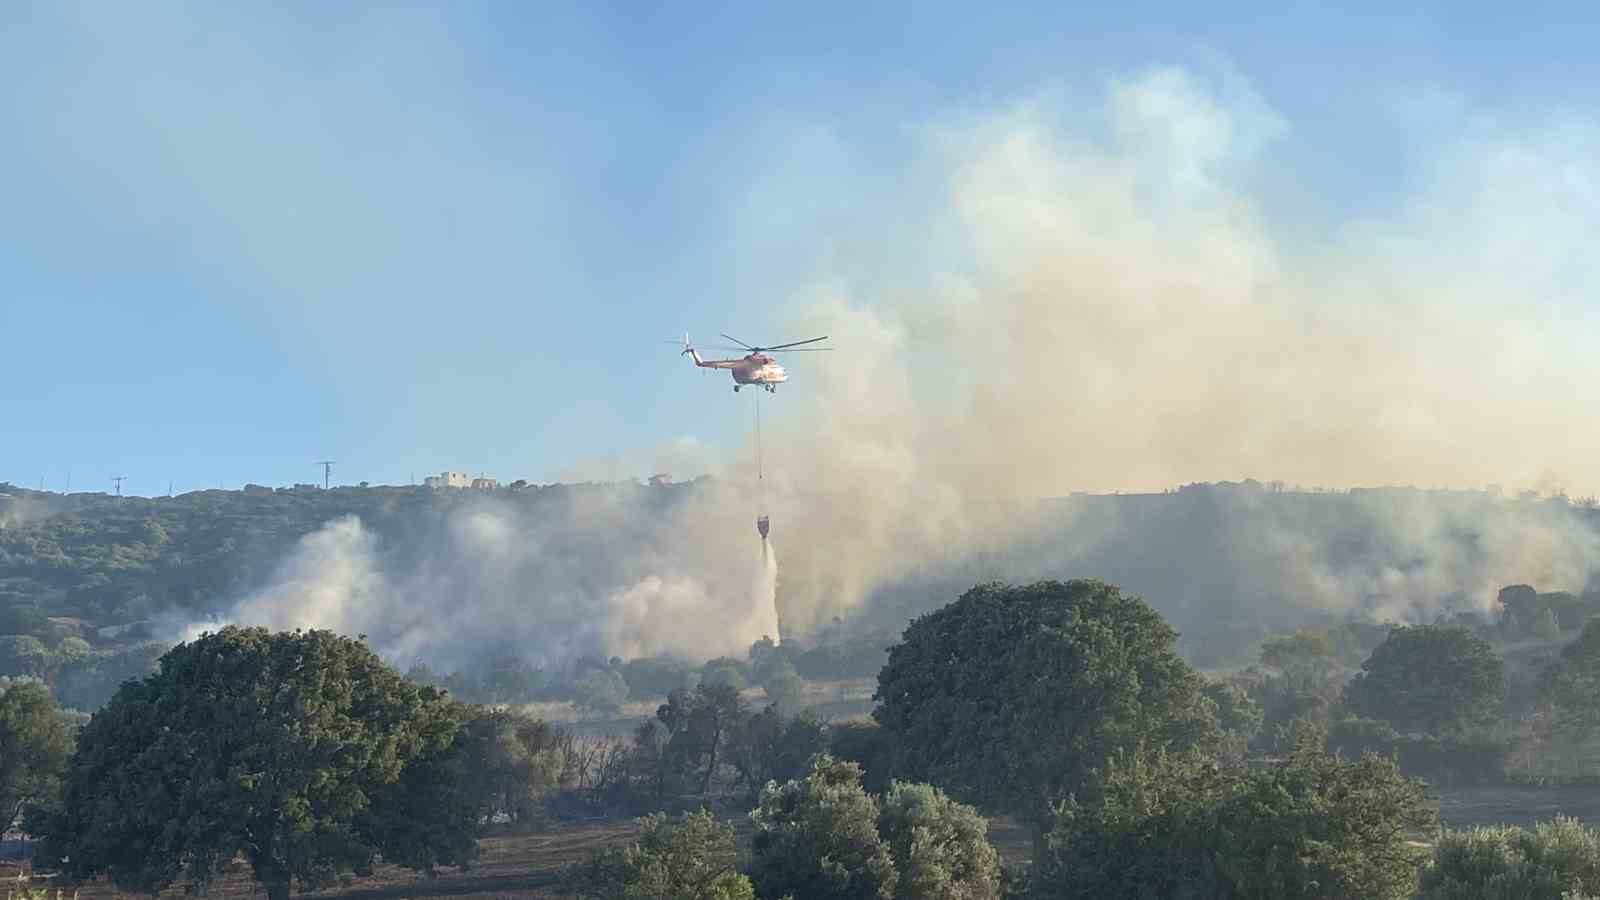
x=736 y=389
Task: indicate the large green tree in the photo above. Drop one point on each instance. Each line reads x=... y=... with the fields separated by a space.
x=1430 y=678
x=302 y=751
x=34 y=746
x=1012 y=696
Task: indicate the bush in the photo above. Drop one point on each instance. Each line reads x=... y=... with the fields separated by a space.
x=601 y=691
x=822 y=836
x=1555 y=860
x=940 y=847
x=1443 y=759
x=693 y=858
x=817 y=838
x=1312 y=827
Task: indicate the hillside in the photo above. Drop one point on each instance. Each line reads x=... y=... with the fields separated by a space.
x=538 y=578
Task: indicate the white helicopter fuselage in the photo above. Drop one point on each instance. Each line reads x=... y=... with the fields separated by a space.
x=757 y=368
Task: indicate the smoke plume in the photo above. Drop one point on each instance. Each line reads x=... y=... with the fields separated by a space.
x=1119 y=296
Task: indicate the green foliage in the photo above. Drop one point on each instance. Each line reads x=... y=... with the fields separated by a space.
x=786 y=690
x=859 y=658
x=22 y=654
x=1554 y=861
x=602 y=691
x=513 y=764
x=692 y=858
x=770 y=746
x=1011 y=697
x=655 y=676
x=18 y=616
x=817 y=838
x=1455 y=758
x=302 y=751
x=1239 y=717
x=940 y=847
x=1301 y=648
x=725 y=672
x=89 y=680
x=865 y=743
x=1310 y=827
x=34 y=746
x=1572 y=684
x=699 y=725
x=1430 y=678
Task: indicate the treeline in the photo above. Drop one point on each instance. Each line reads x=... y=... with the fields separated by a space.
x=604 y=685
x=1470 y=698
x=1062 y=705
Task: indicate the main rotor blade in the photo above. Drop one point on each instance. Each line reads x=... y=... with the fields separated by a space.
x=795 y=343
x=801 y=350
x=739 y=342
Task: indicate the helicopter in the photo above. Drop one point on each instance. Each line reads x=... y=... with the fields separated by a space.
x=757 y=367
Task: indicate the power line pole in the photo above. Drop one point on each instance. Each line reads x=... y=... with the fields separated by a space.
x=119 y=479
x=327 y=472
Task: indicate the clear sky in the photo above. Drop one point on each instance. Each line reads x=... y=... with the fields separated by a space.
x=236 y=239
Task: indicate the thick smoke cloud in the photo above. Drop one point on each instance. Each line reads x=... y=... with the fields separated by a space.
x=1111 y=300
x=593 y=572
x=1102 y=298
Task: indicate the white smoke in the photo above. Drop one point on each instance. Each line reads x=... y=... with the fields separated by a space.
x=1096 y=298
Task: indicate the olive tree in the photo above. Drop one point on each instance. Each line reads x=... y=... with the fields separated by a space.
x=1429 y=678
x=1012 y=696
x=34 y=746
x=1312 y=826
x=302 y=751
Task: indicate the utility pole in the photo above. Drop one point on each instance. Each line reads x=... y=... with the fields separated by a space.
x=327 y=472
x=119 y=479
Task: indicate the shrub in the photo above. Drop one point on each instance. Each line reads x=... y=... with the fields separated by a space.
x=1556 y=860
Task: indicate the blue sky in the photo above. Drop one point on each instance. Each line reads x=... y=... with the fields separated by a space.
x=239 y=238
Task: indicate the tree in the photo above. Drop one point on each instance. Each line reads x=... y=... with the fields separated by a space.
x=940 y=847
x=1572 y=683
x=817 y=838
x=1282 y=651
x=602 y=690
x=1519 y=605
x=1429 y=678
x=724 y=671
x=692 y=858
x=770 y=746
x=699 y=724
x=513 y=762
x=302 y=751
x=1557 y=860
x=865 y=743
x=34 y=746
x=1238 y=716
x=1310 y=827
x=1011 y=697
x=786 y=690
x=22 y=654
